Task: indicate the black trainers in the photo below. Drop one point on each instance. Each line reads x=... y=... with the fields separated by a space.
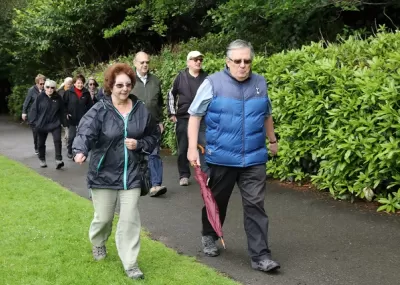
x=99 y=252
x=266 y=265
x=209 y=246
x=135 y=273
x=69 y=155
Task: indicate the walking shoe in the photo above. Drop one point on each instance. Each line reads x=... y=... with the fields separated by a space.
x=184 y=181
x=157 y=191
x=36 y=152
x=43 y=163
x=266 y=265
x=69 y=155
x=99 y=252
x=59 y=164
x=209 y=246
x=135 y=273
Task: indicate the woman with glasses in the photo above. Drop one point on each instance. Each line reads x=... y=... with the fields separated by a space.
x=47 y=115
x=61 y=91
x=118 y=131
x=92 y=86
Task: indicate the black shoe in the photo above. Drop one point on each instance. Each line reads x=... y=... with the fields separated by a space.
x=266 y=265
x=209 y=246
x=36 y=152
x=59 y=164
x=69 y=155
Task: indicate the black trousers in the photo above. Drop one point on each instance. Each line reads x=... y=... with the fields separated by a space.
x=252 y=185
x=71 y=137
x=35 y=137
x=42 y=137
x=183 y=144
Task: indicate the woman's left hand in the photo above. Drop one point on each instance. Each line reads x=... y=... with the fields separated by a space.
x=131 y=143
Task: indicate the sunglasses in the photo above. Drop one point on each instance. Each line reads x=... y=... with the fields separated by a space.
x=121 y=85
x=41 y=84
x=47 y=87
x=239 y=61
x=197 y=59
x=92 y=84
x=144 y=62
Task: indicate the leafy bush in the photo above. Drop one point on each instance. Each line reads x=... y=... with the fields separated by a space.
x=16 y=99
x=337 y=115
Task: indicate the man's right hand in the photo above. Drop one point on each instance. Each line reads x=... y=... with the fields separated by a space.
x=24 y=116
x=173 y=119
x=193 y=157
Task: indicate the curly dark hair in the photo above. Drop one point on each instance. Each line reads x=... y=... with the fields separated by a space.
x=77 y=77
x=111 y=73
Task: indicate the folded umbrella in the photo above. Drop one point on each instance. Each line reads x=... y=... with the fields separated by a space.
x=209 y=201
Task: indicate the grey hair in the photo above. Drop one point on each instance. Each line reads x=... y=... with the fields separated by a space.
x=50 y=83
x=239 y=44
x=67 y=79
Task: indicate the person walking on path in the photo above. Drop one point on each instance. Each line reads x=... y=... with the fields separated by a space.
x=33 y=92
x=148 y=89
x=238 y=117
x=47 y=116
x=118 y=131
x=92 y=86
x=61 y=91
x=179 y=99
x=77 y=102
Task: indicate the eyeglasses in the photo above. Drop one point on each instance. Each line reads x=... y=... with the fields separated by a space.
x=92 y=84
x=239 y=61
x=121 y=85
x=144 y=62
x=197 y=59
x=47 y=87
x=41 y=84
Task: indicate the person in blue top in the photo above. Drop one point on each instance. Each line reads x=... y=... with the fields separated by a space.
x=238 y=117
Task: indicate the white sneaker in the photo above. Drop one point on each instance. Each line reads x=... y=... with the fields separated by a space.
x=184 y=181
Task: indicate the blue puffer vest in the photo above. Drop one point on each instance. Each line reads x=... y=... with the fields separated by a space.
x=235 y=131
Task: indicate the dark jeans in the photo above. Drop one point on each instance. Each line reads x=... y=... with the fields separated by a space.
x=42 y=137
x=71 y=137
x=156 y=166
x=35 y=137
x=183 y=144
x=252 y=185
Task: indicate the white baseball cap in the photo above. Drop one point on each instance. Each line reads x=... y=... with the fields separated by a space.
x=194 y=54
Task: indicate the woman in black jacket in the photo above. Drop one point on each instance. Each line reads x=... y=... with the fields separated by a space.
x=118 y=131
x=47 y=115
x=77 y=101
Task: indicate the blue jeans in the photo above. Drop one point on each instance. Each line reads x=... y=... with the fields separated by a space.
x=156 y=166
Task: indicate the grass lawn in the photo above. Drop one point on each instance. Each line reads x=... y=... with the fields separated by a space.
x=44 y=240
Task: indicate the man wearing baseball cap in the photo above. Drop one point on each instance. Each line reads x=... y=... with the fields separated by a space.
x=179 y=98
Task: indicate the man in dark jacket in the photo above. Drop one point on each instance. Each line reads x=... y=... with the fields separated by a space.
x=179 y=99
x=47 y=115
x=33 y=92
x=77 y=102
x=148 y=89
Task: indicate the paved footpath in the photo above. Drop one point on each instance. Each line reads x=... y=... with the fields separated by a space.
x=317 y=240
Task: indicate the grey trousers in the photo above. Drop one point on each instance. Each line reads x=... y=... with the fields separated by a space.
x=127 y=236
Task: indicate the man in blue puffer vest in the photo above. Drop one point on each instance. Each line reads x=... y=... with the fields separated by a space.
x=237 y=112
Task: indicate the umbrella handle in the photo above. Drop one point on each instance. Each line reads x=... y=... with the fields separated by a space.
x=223 y=243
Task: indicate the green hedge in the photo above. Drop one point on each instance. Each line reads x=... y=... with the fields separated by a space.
x=336 y=112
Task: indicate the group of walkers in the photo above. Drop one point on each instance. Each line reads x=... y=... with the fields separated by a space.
x=121 y=124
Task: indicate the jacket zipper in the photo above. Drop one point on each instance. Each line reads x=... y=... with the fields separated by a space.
x=244 y=125
x=125 y=119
